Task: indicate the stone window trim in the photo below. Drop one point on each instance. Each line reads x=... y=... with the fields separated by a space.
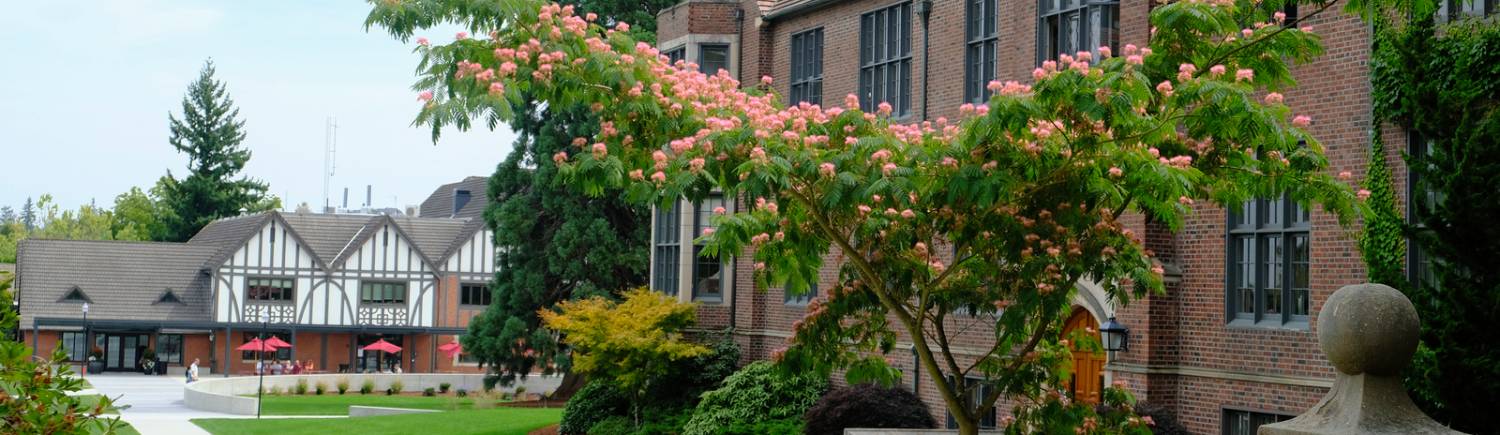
x=692 y=45
x=981 y=47
x=673 y=261
x=1253 y=234
x=885 y=59
x=702 y=215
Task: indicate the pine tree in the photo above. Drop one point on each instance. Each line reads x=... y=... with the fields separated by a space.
x=210 y=132
x=28 y=215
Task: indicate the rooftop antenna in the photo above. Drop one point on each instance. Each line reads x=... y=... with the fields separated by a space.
x=330 y=153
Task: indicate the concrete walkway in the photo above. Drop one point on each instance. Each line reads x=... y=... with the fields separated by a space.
x=155 y=403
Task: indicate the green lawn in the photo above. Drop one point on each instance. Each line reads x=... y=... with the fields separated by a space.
x=339 y=405
x=498 y=421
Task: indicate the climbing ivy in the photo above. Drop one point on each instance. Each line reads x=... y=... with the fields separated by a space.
x=1382 y=243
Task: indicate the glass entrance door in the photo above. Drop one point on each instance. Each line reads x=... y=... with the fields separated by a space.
x=123 y=351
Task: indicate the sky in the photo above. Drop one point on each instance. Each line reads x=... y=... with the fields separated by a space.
x=86 y=87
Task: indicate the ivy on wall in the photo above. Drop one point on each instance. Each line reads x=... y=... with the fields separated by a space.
x=1382 y=243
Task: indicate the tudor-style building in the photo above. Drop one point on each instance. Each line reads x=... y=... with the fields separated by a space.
x=326 y=283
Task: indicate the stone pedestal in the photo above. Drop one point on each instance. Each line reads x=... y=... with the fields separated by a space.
x=1368 y=332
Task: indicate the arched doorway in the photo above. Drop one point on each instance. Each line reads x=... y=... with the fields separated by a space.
x=1088 y=367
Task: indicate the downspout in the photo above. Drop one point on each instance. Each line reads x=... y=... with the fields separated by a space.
x=924 y=9
x=916 y=371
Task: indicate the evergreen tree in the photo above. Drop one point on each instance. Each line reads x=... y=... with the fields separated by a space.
x=210 y=132
x=28 y=215
x=8 y=215
x=557 y=243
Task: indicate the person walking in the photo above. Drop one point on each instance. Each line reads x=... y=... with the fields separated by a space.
x=192 y=372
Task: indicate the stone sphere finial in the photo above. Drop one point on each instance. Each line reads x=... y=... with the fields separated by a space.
x=1368 y=328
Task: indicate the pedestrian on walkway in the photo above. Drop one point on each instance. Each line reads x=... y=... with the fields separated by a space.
x=192 y=371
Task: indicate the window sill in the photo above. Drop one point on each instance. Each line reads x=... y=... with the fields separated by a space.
x=472 y=307
x=1296 y=325
x=709 y=300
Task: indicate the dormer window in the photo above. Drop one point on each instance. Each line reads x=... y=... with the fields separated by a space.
x=76 y=295
x=168 y=297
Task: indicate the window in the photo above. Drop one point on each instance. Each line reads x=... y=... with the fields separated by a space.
x=1069 y=26
x=665 y=261
x=282 y=353
x=885 y=59
x=976 y=393
x=807 y=67
x=1420 y=199
x=1268 y=262
x=76 y=345
x=982 y=38
x=1450 y=10
x=1247 y=422
x=467 y=359
x=169 y=348
x=75 y=295
x=708 y=271
x=712 y=58
x=802 y=299
x=676 y=54
x=474 y=294
x=270 y=289
x=382 y=292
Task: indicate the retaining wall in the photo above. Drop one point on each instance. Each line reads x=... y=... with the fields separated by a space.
x=228 y=395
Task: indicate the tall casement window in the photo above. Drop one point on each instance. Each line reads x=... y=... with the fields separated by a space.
x=885 y=59
x=270 y=290
x=474 y=294
x=1449 y=10
x=382 y=292
x=666 y=248
x=712 y=58
x=708 y=271
x=76 y=344
x=1419 y=197
x=807 y=67
x=1238 y=422
x=977 y=391
x=803 y=299
x=983 y=36
x=169 y=348
x=676 y=54
x=1268 y=262
x=1070 y=26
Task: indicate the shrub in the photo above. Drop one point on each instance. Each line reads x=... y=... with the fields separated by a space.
x=342 y=385
x=867 y=405
x=461 y=393
x=490 y=381
x=617 y=425
x=429 y=392
x=756 y=393
x=520 y=391
x=786 y=426
x=443 y=387
x=1165 y=421
x=275 y=390
x=396 y=386
x=301 y=387
x=320 y=388
x=591 y=405
x=389 y=392
x=367 y=386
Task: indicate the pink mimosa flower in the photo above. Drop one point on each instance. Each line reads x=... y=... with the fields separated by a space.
x=422 y=41
x=1363 y=194
x=659 y=177
x=461 y=36
x=1217 y=70
x=1301 y=121
x=1244 y=74
x=1116 y=172
x=1346 y=175
x=425 y=96
x=1274 y=98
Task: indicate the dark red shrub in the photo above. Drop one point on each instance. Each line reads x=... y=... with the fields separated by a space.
x=867 y=405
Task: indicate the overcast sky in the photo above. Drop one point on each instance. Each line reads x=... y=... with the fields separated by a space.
x=85 y=88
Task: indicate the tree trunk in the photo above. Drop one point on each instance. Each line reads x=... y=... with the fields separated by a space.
x=966 y=426
x=569 y=385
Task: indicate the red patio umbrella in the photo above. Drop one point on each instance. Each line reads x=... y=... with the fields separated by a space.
x=383 y=346
x=255 y=345
x=451 y=348
x=277 y=342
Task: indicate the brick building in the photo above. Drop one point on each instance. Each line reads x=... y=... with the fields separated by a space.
x=328 y=284
x=1231 y=344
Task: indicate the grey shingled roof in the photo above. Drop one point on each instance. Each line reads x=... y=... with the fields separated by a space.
x=435 y=237
x=228 y=234
x=329 y=235
x=123 y=279
x=440 y=203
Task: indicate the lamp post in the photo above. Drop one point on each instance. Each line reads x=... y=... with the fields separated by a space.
x=87 y=340
x=1116 y=336
x=265 y=320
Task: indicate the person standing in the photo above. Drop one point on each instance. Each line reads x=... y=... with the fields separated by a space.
x=192 y=371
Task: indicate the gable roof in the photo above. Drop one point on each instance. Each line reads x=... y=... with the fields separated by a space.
x=123 y=280
x=228 y=234
x=440 y=203
x=436 y=238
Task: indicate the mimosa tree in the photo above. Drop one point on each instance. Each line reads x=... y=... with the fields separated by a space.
x=1027 y=190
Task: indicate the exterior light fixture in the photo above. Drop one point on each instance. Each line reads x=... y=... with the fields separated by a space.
x=1116 y=335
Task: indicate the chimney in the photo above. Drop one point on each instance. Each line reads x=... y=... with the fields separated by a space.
x=460 y=199
x=369 y=195
x=346 y=198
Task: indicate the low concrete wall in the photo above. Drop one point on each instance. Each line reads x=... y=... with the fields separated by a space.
x=371 y=411
x=227 y=395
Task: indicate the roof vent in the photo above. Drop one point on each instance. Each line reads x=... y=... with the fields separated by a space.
x=460 y=199
x=168 y=297
x=75 y=295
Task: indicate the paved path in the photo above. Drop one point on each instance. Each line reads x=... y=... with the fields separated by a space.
x=155 y=403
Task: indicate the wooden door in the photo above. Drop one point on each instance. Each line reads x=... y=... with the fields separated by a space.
x=1088 y=367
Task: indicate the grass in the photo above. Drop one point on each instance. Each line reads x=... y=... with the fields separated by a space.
x=499 y=421
x=339 y=405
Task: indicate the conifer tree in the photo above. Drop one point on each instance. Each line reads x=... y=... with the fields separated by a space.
x=211 y=133
x=28 y=215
